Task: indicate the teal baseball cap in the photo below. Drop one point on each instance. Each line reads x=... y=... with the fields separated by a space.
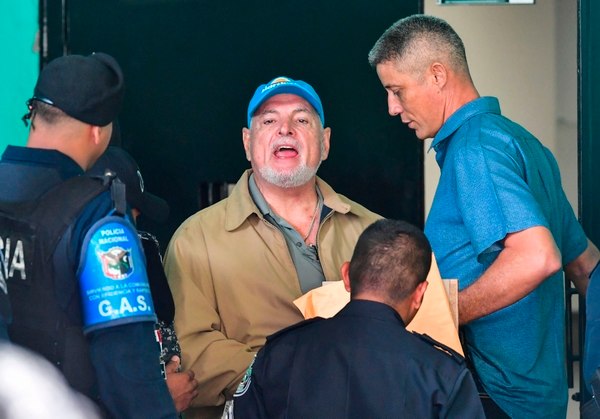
x=281 y=85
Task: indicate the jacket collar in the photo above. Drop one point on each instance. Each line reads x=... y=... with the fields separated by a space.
x=373 y=309
x=240 y=206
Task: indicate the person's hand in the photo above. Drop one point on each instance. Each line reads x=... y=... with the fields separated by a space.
x=182 y=385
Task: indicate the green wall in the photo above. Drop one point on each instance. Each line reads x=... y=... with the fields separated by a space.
x=18 y=66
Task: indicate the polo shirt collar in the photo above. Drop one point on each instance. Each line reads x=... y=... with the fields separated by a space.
x=258 y=197
x=264 y=207
x=486 y=104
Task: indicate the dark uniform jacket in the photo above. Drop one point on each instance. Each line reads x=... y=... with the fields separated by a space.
x=362 y=363
x=124 y=358
x=591 y=358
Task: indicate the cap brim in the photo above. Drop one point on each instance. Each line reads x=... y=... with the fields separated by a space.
x=154 y=208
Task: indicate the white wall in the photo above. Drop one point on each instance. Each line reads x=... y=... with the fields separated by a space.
x=566 y=72
x=526 y=56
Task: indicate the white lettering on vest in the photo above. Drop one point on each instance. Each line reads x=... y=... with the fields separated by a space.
x=11 y=263
x=2 y=273
x=18 y=261
x=106 y=309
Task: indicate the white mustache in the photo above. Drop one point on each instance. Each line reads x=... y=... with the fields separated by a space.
x=285 y=141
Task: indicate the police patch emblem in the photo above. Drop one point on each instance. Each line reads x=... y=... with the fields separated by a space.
x=116 y=263
x=245 y=384
x=112 y=290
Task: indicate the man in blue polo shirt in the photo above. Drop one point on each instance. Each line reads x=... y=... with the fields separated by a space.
x=499 y=222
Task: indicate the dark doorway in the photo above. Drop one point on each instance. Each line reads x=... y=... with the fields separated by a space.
x=589 y=123
x=191 y=67
x=589 y=142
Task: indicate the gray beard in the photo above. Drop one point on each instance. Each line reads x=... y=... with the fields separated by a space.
x=298 y=177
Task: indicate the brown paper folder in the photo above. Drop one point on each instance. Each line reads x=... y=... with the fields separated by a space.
x=435 y=318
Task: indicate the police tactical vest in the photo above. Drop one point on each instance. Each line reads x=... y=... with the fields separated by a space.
x=29 y=234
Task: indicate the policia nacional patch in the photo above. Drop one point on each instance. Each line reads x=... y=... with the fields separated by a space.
x=245 y=384
x=113 y=279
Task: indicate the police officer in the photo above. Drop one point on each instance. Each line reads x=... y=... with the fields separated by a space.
x=182 y=384
x=363 y=363
x=590 y=407
x=87 y=308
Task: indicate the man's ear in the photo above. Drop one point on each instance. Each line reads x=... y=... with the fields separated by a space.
x=439 y=74
x=345 y=271
x=95 y=134
x=326 y=138
x=246 y=141
x=417 y=296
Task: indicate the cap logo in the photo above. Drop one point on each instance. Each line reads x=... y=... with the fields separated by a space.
x=275 y=82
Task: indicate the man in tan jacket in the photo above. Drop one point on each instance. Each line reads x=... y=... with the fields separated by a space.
x=236 y=267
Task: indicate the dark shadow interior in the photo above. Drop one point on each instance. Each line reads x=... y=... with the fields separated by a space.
x=192 y=66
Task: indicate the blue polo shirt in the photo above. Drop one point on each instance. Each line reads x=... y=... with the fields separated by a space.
x=496 y=178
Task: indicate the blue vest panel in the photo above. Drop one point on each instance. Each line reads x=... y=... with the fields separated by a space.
x=113 y=280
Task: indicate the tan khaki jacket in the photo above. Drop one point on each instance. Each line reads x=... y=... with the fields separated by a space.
x=234 y=283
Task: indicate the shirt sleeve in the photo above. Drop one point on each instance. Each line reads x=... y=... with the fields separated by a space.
x=492 y=193
x=126 y=360
x=571 y=240
x=218 y=362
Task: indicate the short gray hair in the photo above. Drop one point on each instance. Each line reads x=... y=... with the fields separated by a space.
x=418 y=40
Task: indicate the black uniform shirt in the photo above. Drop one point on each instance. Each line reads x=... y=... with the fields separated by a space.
x=362 y=363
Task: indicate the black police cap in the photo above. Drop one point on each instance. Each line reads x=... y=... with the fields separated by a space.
x=87 y=88
x=122 y=163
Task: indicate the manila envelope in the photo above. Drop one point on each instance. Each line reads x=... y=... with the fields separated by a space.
x=435 y=318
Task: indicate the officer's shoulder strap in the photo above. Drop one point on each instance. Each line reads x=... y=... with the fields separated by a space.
x=76 y=192
x=288 y=329
x=63 y=203
x=458 y=358
x=56 y=209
